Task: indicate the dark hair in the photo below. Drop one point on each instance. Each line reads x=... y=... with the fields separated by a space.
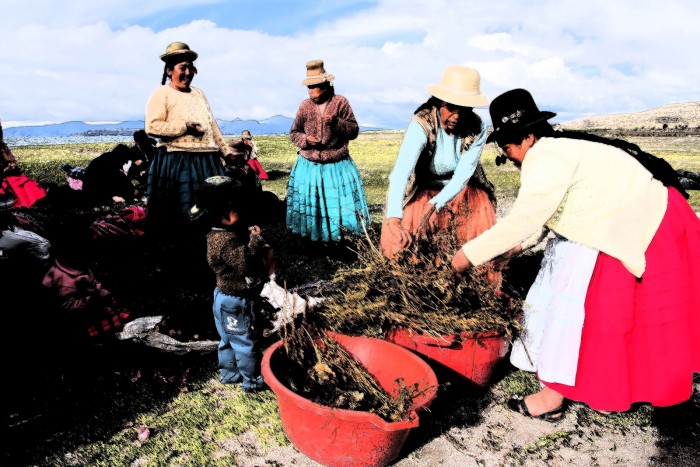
x=539 y=130
x=170 y=65
x=469 y=122
x=217 y=201
x=659 y=168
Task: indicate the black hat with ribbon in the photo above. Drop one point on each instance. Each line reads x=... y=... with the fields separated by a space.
x=513 y=111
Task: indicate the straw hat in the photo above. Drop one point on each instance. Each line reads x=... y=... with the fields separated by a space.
x=178 y=50
x=514 y=110
x=460 y=85
x=316 y=74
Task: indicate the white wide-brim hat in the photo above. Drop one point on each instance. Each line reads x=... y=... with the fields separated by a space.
x=460 y=85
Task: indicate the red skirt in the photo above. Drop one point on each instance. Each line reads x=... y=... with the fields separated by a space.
x=258 y=169
x=641 y=338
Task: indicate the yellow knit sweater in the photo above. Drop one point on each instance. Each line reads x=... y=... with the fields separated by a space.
x=167 y=112
x=590 y=193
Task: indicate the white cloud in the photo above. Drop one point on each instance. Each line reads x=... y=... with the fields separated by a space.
x=86 y=60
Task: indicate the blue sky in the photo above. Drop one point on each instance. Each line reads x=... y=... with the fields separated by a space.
x=98 y=61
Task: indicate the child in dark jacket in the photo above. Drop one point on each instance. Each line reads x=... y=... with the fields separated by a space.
x=242 y=262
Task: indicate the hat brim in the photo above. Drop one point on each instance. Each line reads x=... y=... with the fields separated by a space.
x=456 y=98
x=180 y=55
x=503 y=131
x=310 y=81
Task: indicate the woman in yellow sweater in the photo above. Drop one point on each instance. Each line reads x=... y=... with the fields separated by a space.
x=611 y=318
x=190 y=143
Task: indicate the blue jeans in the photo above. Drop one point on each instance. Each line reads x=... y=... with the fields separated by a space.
x=239 y=354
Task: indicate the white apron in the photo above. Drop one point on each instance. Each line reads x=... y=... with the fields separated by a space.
x=554 y=313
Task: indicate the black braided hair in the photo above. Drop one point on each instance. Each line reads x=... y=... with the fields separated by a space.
x=171 y=64
x=659 y=168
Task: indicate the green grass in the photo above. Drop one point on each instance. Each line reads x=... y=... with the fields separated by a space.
x=373 y=152
x=192 y=422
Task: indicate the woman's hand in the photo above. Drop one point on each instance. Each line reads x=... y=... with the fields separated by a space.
x=312 y=141
x=460 y=263
x=329 y=120
x=398 y=231
x=194 y=128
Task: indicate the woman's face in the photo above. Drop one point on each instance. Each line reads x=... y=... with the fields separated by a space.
x=318 y=92
x=450 y=115
x=516 y=152
x=181 y=75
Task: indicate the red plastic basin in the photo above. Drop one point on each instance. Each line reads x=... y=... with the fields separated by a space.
x=337 y=437
x=472 y=355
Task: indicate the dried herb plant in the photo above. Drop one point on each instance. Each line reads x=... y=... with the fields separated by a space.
x=416 y=290
x=323 y=371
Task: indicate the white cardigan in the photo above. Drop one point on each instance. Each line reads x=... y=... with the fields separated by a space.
x=590 y=193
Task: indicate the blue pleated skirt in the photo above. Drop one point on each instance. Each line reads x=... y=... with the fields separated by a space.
x=322 y=199
x=173 y=178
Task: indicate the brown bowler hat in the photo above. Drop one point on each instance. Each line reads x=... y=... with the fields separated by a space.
x=178 y=50
x=316 y=74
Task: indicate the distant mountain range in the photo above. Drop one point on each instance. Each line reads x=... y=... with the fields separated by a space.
x=271 y=126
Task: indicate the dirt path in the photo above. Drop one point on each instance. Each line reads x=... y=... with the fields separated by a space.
x=469 y=427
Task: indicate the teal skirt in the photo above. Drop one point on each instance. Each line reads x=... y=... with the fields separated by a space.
x=323 y=199
x=173 y=179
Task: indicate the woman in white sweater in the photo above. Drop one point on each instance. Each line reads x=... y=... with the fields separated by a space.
x=611 y=318
x=190 y=143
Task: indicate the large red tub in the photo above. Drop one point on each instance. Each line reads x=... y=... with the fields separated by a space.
x=472 y=355
x=337 y=437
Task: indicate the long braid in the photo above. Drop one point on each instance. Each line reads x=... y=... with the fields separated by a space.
x=660 y=168
x=165 y=74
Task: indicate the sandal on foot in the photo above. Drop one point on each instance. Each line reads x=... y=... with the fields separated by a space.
x=517 y=404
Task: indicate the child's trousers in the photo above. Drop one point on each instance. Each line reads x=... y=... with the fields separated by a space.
x=238 y=352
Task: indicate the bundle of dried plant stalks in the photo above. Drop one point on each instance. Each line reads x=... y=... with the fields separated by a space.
x=416 y=290
x=320 y=369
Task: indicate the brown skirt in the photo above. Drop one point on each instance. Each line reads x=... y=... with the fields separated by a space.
x=466 y=216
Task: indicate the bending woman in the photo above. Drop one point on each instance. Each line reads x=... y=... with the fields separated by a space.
x=612 y=318
x=437 y=183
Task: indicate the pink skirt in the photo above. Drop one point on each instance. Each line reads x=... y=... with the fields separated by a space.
x=641 y=338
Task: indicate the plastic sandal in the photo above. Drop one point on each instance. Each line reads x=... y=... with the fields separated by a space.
x=517 y=404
